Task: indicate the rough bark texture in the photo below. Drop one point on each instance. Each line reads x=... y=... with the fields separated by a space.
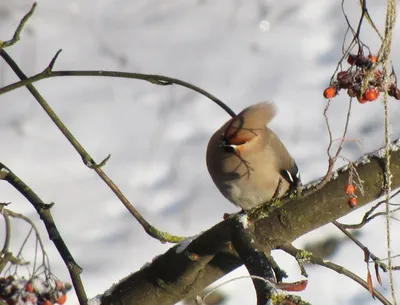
x=174 y=276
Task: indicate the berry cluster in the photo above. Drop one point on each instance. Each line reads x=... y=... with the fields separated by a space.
x=349 y=189
x=352 y=80
x=36 y=291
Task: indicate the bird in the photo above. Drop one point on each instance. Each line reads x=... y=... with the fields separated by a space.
x=247 y=161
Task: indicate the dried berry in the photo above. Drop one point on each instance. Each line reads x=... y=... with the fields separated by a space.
x=352 y=92
x=393 y=91
x=344 y=79
x=397 y=94
x=351 y=59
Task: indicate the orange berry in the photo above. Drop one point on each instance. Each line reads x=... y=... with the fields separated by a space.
x=372 y=58
x=330 y=92
x=29 y=287
x=62 y=299
x=349 y=189
x=371 y=94
x=361 y=100
x=47 y=302
x=352 y=202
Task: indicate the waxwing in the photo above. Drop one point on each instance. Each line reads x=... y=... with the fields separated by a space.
x=247 y=161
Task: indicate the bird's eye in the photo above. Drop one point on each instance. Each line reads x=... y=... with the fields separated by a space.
x=228 y=149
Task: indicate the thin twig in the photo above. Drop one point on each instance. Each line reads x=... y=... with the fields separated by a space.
x=17 y=33
x=290 y=249
x=332 y=160
x=367 y=216
x=155 y=79
x=38 y=237
x=364 y=8
x=7 y=230
x=253 y=277
x=19 y=255
x=44 y=212
x=384 y=54
x=87 y=159
x=28 y=220
x=360 y=245
x=5 y=253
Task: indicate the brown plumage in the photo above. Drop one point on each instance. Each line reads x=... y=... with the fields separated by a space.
x=246 y=160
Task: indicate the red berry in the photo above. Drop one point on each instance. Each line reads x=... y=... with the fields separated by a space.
x=349 y=189
x=330 y=92
x=361 y=100
x=29 y=287
x=371 y=94
x=352 y=202
x=47 y=302
x=351 y=59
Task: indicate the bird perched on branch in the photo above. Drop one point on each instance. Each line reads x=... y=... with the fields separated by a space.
x=247 y=161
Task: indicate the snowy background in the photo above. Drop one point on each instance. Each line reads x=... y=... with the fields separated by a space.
x=240 y=51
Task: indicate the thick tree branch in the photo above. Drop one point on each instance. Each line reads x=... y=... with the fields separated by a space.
x=182 y=277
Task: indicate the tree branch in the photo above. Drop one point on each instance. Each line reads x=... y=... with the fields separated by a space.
x=339 y=269
x=17 y=33
x=86 y=158
x=45 y=215
x=155 y=79
x=182 y=277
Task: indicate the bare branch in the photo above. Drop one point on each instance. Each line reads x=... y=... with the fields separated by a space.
x=44 y=212
x=17 y=33
x=361 y=246
x=152 y=78
x=87 y=159
x=290 y=249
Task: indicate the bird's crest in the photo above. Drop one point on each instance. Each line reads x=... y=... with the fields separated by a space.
x=246 y=125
